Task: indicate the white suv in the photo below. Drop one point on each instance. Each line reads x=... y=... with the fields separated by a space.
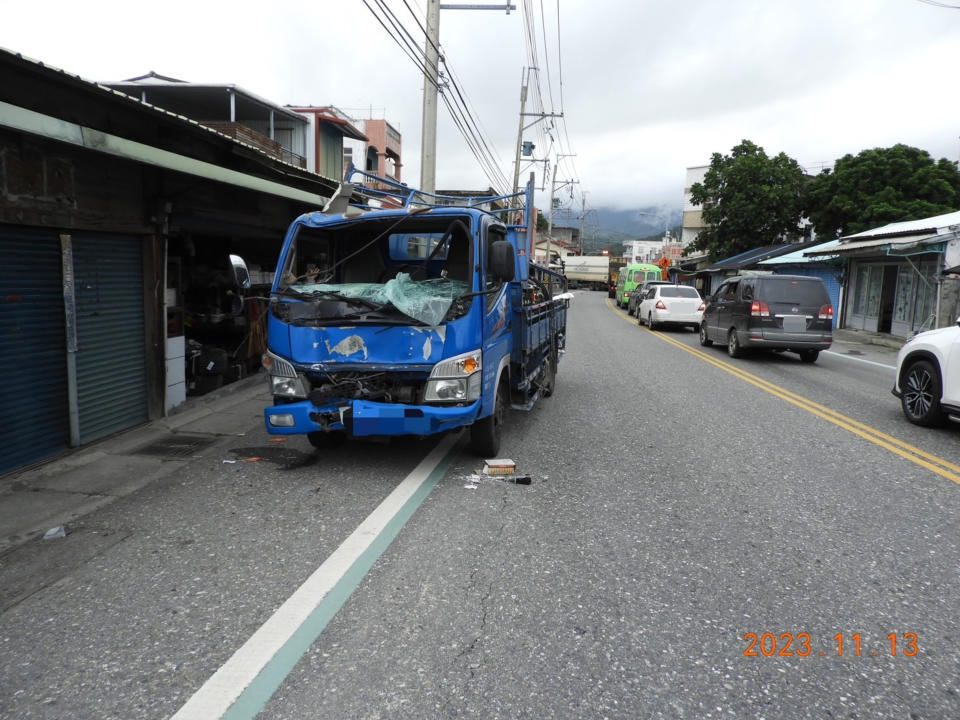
x=928 y=376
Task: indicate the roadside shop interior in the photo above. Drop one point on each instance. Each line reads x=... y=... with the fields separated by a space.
x=209 y=343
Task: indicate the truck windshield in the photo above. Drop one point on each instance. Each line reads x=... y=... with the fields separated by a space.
x=382 y=269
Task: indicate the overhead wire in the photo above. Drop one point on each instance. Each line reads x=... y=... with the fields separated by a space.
x=458 y=108
x=464 y=117
x=551 y=133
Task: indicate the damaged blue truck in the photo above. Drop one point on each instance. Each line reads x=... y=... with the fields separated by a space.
x=394 y=312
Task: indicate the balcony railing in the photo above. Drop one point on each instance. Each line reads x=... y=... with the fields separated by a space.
x=258 y=140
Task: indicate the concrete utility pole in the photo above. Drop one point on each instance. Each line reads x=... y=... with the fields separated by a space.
x=523 y=105
x=428 y=145
x=583 y=214
x=553 y=187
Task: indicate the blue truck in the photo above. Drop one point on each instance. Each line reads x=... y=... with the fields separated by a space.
x=395 y=312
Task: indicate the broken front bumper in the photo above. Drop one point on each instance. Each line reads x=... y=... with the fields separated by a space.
x=362 y=418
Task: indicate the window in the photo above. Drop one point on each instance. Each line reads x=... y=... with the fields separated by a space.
x=678 y=291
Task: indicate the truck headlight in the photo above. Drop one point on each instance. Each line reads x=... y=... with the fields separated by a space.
x=294 y=387
x=284 y=379
x=455 y=380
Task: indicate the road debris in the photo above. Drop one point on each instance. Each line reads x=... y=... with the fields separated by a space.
x=60 y=531
x=500 y=466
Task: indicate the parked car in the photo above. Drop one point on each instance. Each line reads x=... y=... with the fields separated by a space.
x=632 y=277
x=671 y=305
x=638 y=294
x=770 y=312
x=928 y=376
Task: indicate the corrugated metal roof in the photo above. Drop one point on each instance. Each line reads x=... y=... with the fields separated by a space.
x=801 y=256
x=924 y=226
x=96 y=86
x=879 y=243
x=753 y=256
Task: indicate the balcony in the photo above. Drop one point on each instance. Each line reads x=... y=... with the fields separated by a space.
x=258 y=140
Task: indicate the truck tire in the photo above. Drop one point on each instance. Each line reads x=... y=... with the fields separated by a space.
x=550 y=375
x=485 y=433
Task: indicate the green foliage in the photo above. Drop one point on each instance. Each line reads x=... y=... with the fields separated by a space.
x=749 y=200
x=881 y=186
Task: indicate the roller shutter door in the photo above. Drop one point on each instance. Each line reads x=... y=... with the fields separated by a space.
x=34 y=413
x=111 y=369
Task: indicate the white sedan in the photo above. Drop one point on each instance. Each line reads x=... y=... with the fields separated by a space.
x=928 y=376
x=671 y=305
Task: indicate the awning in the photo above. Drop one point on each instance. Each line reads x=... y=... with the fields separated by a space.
x=883 y=245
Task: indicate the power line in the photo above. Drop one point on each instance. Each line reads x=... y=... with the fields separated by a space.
x=458 y=107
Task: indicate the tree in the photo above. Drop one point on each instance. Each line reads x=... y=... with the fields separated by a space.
x=881 y=186
x=749 y=200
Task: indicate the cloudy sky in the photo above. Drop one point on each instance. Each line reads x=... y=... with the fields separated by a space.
x=647 y=88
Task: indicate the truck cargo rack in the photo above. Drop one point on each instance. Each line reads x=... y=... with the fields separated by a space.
x=395 y=195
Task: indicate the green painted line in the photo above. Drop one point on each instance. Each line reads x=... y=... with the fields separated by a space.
x=258 y=693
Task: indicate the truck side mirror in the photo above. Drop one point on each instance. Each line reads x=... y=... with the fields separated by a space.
x=239 y=273
x=502 y=261
x=241 y=281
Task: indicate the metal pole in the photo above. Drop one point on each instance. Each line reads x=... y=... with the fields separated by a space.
x=428 y=145
x=583 y=214
x=523 y=104
x=553 y=183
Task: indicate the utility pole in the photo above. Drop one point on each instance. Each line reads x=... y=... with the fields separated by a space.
x=428 y=144
x=583 y=214
x=553 y=187
x=540 y=117
x=523 y=104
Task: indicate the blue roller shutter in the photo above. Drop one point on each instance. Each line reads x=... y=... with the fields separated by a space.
x=111 y=369
x=34 y=416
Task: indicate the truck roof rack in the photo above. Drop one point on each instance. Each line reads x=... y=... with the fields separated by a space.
x=395 y=195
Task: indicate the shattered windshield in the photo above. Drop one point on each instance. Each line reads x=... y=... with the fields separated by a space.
x=387 y=269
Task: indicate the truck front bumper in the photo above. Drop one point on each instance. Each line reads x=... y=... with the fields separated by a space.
x=362 y=418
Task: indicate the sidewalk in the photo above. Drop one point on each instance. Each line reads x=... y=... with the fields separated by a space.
x=75 y=484
x=873 y=347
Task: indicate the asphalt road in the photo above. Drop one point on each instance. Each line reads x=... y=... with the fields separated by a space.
x=680 y=502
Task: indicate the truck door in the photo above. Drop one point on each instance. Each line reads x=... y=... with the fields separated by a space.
x=497 y=337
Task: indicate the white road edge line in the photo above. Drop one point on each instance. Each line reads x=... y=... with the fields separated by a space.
x=868 y=362
x=216 y=696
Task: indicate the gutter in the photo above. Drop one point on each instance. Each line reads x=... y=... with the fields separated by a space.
x=51 y=128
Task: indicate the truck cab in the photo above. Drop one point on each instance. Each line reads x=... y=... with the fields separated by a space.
x=408 y=320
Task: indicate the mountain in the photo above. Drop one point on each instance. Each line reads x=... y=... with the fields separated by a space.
x=610 y=226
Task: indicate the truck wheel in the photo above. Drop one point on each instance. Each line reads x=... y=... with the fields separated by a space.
x=550 y=375
x=485 y=434
x=327 y=440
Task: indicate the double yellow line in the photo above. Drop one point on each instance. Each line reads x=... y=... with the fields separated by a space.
x=931 y=462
